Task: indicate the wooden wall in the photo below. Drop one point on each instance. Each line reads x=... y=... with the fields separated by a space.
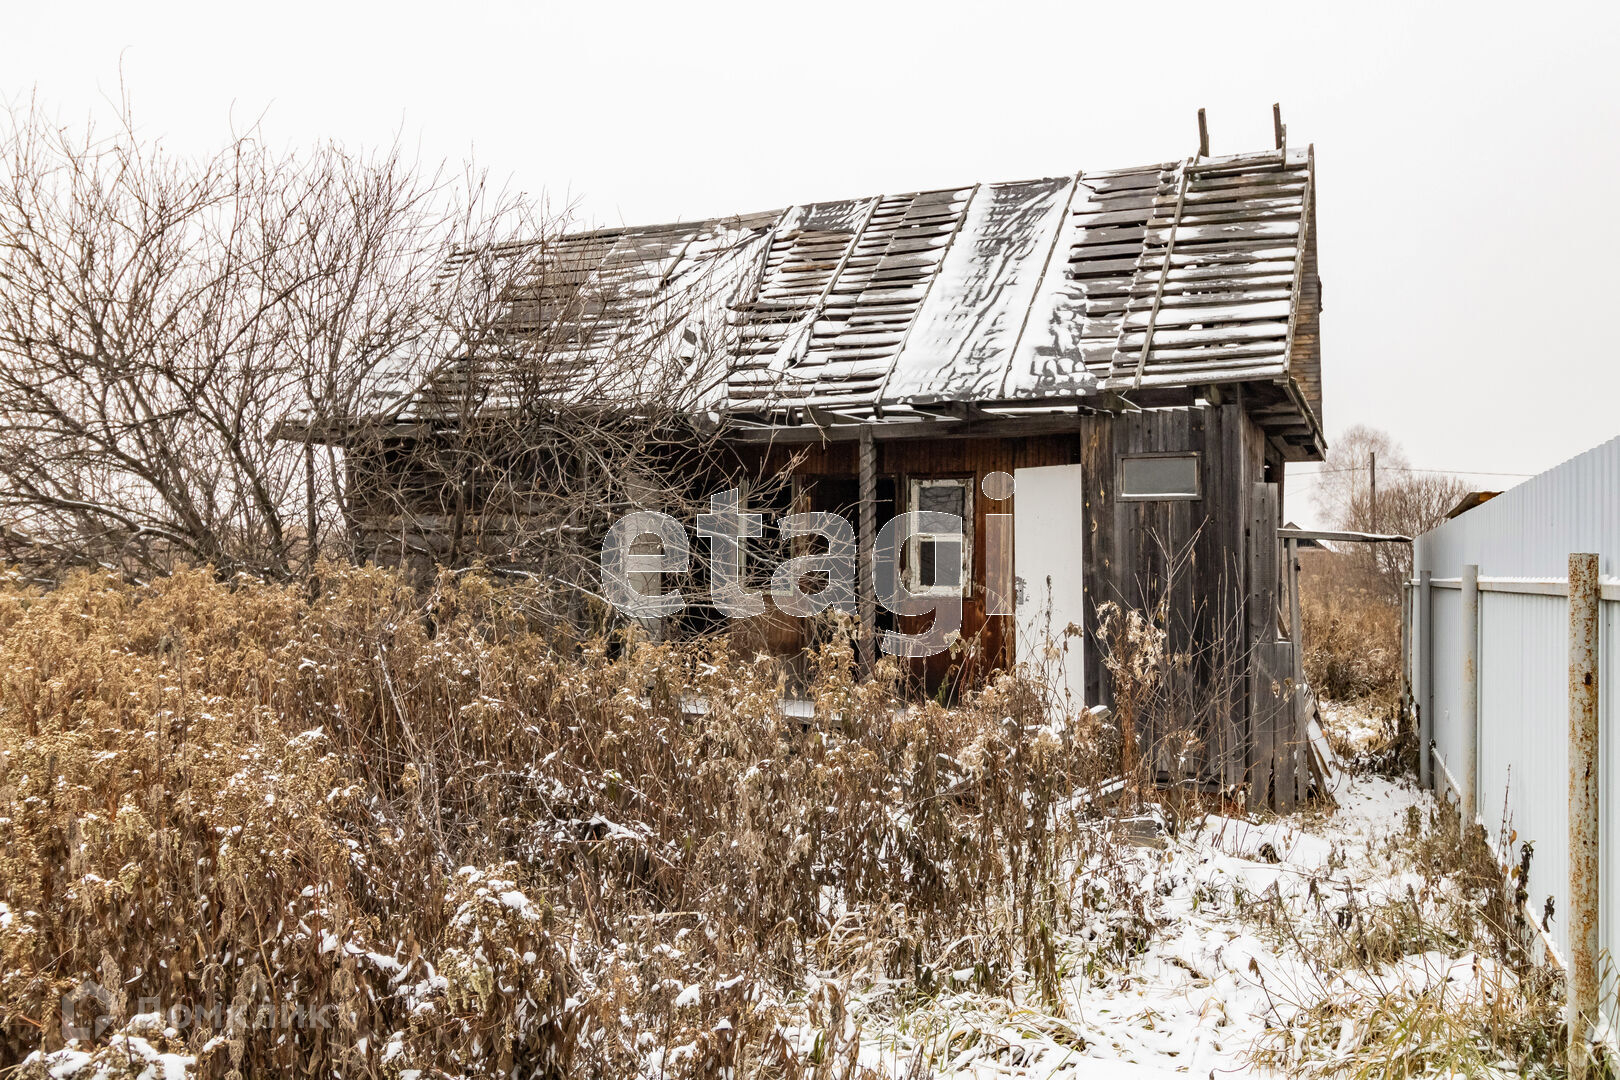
x=1212 y=561
x=1194 y=556
x=1209 y=561
x=1191 y=555
x=988 y=639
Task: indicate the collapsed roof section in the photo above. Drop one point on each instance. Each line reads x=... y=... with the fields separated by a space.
x=1137 y=287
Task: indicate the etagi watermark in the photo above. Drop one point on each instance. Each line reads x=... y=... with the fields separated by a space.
x=90 y=1011
x=917 y=567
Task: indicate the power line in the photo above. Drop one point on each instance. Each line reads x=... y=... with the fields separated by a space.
x=1404 y=468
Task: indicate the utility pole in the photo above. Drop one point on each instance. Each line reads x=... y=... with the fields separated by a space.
x=1372 y=473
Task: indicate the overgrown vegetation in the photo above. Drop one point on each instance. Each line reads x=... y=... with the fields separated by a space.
x=376 y=830
x=1352 y=630
x=356 y=834
x=1351 y=596
x=1437 y=980
x=261 y=357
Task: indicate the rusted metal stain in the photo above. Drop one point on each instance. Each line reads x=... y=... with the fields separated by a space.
x=1469 y=765
x=1584 y=599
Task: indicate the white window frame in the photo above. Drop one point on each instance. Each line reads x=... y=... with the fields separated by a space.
x=914 y=542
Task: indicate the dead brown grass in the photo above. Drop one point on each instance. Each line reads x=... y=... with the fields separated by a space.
x=446 y=845
x=1352 y=630
x=1383 y=1008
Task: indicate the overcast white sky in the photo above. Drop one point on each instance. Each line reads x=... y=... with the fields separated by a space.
x=1466 y=154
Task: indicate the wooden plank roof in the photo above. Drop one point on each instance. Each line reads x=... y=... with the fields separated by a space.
x=1059 y=291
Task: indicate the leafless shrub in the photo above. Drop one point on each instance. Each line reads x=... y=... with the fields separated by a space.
x=1133 y=653
x=1352 y=632
x=1176 y=679
x=159 y=314
x=566 y=398
x=1408 y=501
x=1351 y=598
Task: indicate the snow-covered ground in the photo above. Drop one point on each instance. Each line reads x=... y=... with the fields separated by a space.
x=1354 y=728
x=1234 y=958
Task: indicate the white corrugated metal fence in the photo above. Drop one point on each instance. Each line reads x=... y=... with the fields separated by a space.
x=1520 y=542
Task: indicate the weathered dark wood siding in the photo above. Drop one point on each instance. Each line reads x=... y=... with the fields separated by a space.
x=1190 y=554
x=1195 y=556
x=1211 y=561
x=988 y=640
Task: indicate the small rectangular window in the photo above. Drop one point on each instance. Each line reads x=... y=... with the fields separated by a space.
x=1159 y=476
x=939 y=563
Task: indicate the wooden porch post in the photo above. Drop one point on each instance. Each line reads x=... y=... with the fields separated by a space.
x=866 y=598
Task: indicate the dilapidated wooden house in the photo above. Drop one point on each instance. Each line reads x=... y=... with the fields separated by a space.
x=1136 y=348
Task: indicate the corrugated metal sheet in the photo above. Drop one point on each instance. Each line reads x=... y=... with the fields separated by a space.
x=980 y=304
x=1524 y=751
x=1447 y=653
x=1529 y=532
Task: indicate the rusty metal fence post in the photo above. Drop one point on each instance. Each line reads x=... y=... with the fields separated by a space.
x=1583 y=988
x=1468 y=767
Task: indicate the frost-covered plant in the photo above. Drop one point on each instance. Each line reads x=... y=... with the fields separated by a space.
x=1432 y=982
x=1132 y=647
x=379 y=829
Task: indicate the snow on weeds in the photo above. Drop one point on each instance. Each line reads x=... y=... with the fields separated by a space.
x=382 y=826
x=1328 y=944
x=382 y=832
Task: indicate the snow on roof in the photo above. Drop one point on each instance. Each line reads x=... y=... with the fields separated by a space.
x=1051 y=290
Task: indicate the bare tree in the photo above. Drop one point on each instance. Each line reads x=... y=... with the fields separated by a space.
x=1408 y=501
x=1343 y=491
x=577 y=381
x=255 y=358
x=159 y=314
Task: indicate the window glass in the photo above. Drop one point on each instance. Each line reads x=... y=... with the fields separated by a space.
x=943 y=498
x=937 y=562
x=1159 y=476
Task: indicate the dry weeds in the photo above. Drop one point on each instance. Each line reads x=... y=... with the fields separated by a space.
x=361 y=833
